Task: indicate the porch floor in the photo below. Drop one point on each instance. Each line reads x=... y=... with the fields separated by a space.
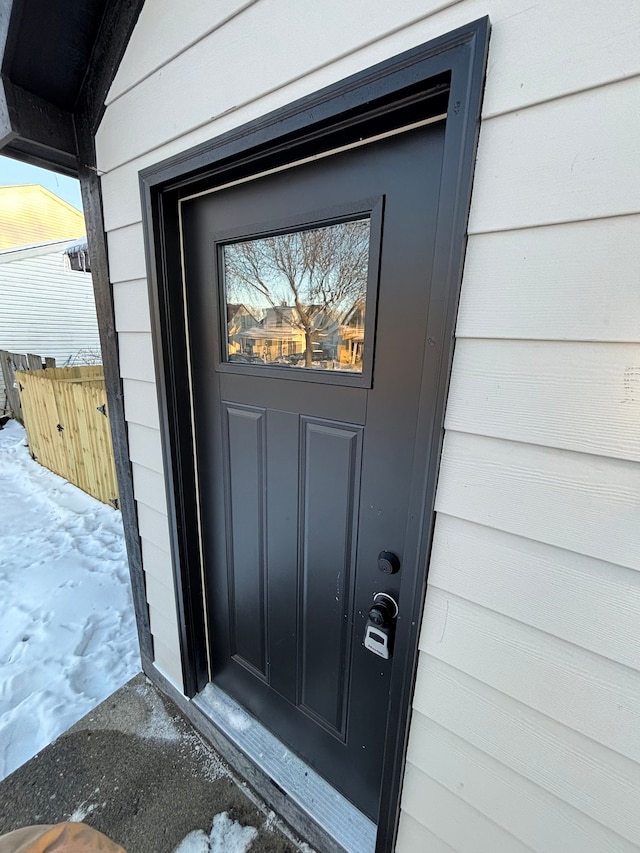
x=135 y=769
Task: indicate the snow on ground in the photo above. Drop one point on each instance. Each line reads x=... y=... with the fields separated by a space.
x=67 y=627
x=226 y=836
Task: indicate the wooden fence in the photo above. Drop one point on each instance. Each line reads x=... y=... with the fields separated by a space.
x=67 y=424
x=9 y=363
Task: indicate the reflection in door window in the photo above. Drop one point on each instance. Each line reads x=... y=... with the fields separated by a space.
x=298 y=299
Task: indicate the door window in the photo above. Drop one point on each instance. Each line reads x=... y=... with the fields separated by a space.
x=299 y=299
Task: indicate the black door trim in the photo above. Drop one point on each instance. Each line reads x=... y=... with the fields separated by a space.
x=444 y=75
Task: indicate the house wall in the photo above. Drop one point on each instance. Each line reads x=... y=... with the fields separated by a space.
x=45 y=308
x=524 y=733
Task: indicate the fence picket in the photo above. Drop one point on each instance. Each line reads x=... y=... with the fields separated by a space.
x=9 y=363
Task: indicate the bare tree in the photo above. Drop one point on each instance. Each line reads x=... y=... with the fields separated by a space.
x=321 y=272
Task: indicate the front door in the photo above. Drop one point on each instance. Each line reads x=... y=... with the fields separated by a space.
x=307 y=294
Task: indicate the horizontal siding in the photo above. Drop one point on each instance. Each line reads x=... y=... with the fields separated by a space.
x=149 y=487
x=154 y=527
x=577 y=281
x=157 y=562
x=580 y=772
x=551 y=394
x=145 y=447
x=126 y=252
x=161 y=597
x=162 y=33
x=587 y=504
x=163 y=625
x=131 y=302
x=586 y=692
x=535 y=817
x=141 y=403
x=452 y=819
x=136 y=356
x=312 y=46
x=573 y=149
x=413 y=836
x=301 y=39
x=167 y=659
x=540 y=52
x=533 y=583
x=47 y=309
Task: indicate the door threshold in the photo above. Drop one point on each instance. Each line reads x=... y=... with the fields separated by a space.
x=339 y=818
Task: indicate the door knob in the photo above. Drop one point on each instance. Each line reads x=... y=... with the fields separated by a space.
x=388 y=563
x=378 y=634
x=384 y=610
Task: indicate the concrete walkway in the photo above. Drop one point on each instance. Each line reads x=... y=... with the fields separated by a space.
x=136 y=770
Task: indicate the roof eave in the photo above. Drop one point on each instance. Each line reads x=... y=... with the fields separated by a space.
x=37 y=131
x=34 y=130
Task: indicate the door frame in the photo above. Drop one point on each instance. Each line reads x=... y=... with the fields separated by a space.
x=443 y=75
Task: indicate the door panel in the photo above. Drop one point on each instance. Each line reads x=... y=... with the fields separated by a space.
x=330 y=466
x=244 y=453
x=305 y=475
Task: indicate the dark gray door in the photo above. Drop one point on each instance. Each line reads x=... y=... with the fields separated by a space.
x=307 y=295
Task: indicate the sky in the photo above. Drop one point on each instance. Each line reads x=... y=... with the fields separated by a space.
x=15 y=172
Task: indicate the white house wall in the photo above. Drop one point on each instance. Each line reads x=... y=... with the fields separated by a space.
x=45 y=308
x=526 y=711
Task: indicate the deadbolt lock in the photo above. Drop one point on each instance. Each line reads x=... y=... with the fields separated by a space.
x=388 y=563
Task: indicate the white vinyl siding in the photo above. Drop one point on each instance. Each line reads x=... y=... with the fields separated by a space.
x=549 y=393
x=136 y=356
x=559 y=162
x=526 y=711
x=577 y=281
x=45 y=308
x=141 y=403
x=148 y=486
x=131 y=306
x=145 y=447
x=153 y=528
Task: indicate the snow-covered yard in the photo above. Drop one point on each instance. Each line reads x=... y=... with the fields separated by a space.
x=67 y=627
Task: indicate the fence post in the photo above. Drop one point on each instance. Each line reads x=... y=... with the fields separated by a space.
x=10 y=363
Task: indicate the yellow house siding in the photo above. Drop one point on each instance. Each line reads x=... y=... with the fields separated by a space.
x=31 y=214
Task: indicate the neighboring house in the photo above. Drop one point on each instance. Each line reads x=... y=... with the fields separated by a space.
x=278 y=334
x=47 y=308
x=30 y=214
x=47 y=300
x=271 y=504
x=281 y=334
x=239 y=319
x=351 y=344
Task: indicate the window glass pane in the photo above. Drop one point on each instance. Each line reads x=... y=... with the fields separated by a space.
x=298 y=299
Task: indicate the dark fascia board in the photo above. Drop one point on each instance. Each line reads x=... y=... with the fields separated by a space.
x=118 y=22
x=27 y=152
x=459 y=56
